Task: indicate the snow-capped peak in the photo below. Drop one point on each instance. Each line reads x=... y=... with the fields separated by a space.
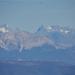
x=64 y=31
x=45 y=29
x=49 y=28
x=58 y=28
x=4 y=28
x=61 y=30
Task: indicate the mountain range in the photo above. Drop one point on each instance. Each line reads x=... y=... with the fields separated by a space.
x=52 y=43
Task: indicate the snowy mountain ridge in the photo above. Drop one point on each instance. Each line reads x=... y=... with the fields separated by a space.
x=59 y=37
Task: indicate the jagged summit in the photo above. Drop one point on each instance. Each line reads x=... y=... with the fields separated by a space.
x=50 y=28
x=4 y=28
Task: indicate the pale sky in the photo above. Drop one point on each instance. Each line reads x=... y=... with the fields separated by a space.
x=30 y=14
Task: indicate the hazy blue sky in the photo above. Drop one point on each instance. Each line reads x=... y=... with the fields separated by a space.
x=30 y=14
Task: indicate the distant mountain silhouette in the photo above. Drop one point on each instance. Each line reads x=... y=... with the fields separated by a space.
x=52 y=43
